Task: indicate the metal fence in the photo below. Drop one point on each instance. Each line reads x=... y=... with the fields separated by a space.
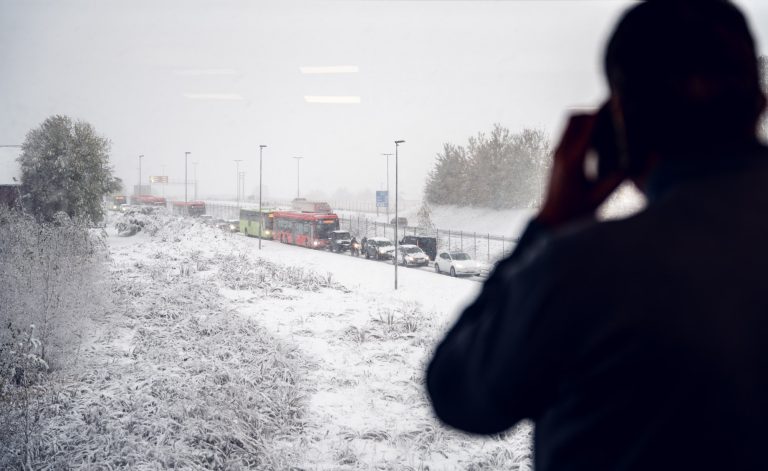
x=481 y=246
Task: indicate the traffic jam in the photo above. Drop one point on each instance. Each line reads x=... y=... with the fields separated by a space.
x=314 y=225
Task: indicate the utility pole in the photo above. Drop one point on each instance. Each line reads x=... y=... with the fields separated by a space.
x=298 y=160
x=261 y=215
x=237 y=163
x=186 y=158
x=387 y=186
x=397 y=145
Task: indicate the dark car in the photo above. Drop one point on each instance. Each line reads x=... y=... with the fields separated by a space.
x=426 y=243
x=340 y=241
x=401 y=221
x=228 y=226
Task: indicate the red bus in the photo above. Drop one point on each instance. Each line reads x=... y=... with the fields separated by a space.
x=306 y=229
x=148 y=200
x=192 y=208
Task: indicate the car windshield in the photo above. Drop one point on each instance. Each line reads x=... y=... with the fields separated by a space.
x=340 y=235
x=413 y=250
x=460 y=256
x=382 y=243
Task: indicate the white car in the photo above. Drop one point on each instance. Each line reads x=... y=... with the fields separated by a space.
x=411 y=256
x=458 y=264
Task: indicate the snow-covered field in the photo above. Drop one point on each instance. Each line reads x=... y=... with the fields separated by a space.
x=218 y=355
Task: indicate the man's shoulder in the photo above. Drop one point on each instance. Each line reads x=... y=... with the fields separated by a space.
x=603 y=239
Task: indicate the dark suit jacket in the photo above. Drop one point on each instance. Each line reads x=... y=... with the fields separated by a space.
x=633 y=344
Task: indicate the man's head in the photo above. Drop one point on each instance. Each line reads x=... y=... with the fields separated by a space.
x=684 y=74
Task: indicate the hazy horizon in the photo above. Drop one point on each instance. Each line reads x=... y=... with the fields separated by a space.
x=218 y=79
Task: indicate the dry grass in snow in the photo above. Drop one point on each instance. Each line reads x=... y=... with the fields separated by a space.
x=215 y=358
x=174 y=378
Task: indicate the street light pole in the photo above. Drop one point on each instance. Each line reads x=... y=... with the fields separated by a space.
x=387 y=186
x=237 y=163
x=298 y=160
x=186 y=158
x=140 y=157
x=397 y=145
x=261 y=215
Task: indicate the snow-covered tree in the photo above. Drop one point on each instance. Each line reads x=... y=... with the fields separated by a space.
x=65 y=167
x=447 y=182
x=496 y=170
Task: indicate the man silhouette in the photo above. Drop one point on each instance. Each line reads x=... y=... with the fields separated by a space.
x=639 y=343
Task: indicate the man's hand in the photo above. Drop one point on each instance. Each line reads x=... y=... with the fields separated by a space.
x=570 y=195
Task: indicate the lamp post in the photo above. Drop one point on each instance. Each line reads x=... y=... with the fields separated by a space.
x=397 y=145
x=186 y=158
x=237 y=163
x=298 y=160
x=194 y=165
x=387 y=184
x=140 y=157
x=261 y=215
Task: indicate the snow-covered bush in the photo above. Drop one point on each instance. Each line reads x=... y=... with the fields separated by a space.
x=243 y=272
x=134 y=221
x=51 y=276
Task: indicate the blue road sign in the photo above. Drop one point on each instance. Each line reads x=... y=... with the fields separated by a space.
x=382 y=199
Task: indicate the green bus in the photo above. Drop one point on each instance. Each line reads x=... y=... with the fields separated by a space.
x=252 y=225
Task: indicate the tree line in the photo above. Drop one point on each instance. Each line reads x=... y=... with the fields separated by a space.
x=497 y=170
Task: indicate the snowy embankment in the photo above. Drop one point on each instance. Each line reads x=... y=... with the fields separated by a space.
x=351 y=349
x=502 y=222
x=170 y=375
x=211 y=354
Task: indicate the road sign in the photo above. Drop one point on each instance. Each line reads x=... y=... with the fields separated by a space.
x=382 y=199
x=158 y=179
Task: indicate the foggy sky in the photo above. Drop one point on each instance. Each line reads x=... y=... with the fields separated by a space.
x=219 y=78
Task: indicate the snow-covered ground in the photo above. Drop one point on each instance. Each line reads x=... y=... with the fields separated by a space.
x=360 y=346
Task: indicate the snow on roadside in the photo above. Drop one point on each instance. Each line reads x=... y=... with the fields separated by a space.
x=625 y=201
x=505 y=223
x=355 y=348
